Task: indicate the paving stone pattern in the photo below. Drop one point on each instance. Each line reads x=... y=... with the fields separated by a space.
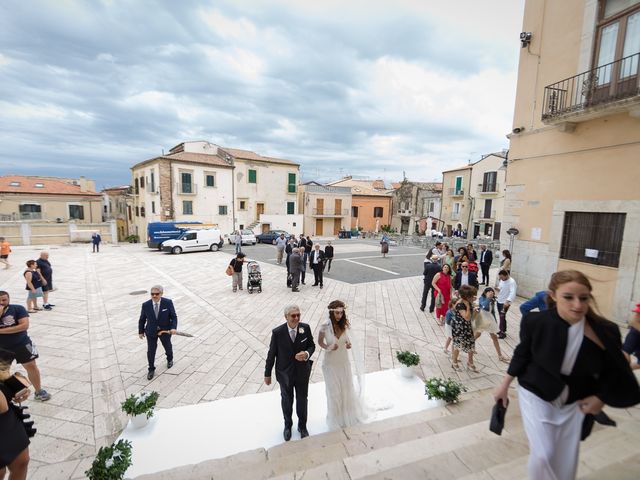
x=91 y=357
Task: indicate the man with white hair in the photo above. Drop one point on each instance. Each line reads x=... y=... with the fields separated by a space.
x=44 y=267
x=157 y=314
x=290 y=349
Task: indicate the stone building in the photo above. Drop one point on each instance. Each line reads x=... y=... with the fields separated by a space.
x=370 y=203
x=416 y=207
x=326 y=208
x=118 y=205
x=456 y=201
x=486 y=193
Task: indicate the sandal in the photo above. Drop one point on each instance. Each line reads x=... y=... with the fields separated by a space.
x=472 y=367
x=446 y=351
x=504 y=358
x=37 y=308
x=455 y=365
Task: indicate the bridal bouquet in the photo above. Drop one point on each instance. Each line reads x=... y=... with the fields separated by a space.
x=440 y=389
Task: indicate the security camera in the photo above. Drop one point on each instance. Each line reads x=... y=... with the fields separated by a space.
x=525 y=39
x=518 y=130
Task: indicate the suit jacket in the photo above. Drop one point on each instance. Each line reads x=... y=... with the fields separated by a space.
x=312 y=257
x=167 y=318
x=538 y=358
x=473 y=280
x=430 y=270
x=328 y=251
x=282 y=351
x=295 y=263
x=488 y=257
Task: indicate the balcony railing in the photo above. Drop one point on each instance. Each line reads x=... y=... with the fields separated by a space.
x=482 y=214
x=455 y=215
x=603 y=85
x=30 y=215
x=330 y=212
x=488 y=188
x=186 y=188
x=456 y=192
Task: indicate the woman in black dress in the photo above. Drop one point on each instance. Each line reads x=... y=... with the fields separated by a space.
x=462 y=332
x=14 y=441
x=569 y=364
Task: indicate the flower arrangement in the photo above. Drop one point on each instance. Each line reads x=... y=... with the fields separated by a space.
x=407 y=358
x=111 y=462
x=440 y=389
x=144 y=403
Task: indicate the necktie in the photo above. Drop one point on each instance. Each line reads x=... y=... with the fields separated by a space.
x=155 y=309
x=292 y=334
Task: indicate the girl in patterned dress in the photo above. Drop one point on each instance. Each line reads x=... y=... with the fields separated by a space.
x=461 y=329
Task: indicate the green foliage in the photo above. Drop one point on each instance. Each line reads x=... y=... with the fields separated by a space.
x=408 y=358
x=440 y=389
x=139 y=404
x=111 y=462
x=132 y=239
x=386 y=228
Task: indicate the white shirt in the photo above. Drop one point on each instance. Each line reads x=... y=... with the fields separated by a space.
x=316 y=257
x=507 y=291
x=464 y=279
x=295 y=331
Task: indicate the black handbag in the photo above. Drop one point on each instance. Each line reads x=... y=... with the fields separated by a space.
x=498 y=412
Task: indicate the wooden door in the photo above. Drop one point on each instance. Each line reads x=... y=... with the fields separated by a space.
x=259 y=210
x=266 y=227
x=338 y=207
x=336 y=226
x=319 y=226
x=496 y=231
x=319 y=206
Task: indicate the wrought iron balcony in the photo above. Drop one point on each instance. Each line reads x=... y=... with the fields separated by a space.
x=611 y=88
x=488 y=188
x=186 y=188
x=456 y=192
x=330 y=212
x=485 y=215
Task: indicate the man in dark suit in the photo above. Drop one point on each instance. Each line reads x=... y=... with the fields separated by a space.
x=157 y=314
x=430 y=270
x=290 y=349
x=316 y=262
x=486 y=258
x=328 y=255
x=465 y=277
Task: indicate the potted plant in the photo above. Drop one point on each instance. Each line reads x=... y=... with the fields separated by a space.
x=111 y=462
x=140 y=407
x=132 y=239
x=408 y=360
x=446 y=390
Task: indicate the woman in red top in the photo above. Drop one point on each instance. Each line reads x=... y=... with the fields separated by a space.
x=442 y=284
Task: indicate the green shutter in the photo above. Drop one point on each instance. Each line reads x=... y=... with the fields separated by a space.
x=253 y=176
x=292 y=183
x=291 y=208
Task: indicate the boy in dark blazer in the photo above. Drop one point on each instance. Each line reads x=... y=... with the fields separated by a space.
x=157 y=314
x=290 y=349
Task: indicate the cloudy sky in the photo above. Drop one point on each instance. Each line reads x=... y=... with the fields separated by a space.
x=370 y=88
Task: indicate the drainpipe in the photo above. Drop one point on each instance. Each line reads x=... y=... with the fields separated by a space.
x=233 y=196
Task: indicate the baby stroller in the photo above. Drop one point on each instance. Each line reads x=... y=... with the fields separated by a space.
x=255 y=277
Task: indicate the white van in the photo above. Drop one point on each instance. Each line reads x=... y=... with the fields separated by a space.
x=195 y=240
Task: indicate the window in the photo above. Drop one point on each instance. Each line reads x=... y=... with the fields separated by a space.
x=456 y=207
x=39 y=185
x=142 y=211
x=136 y=186
x=291 y=208
x=14 y=184
x=489 y=181
x=187 y=207
x=253 y=176
x=137 y=211
x=30 y=211
x=354 y=212
x=129 y=212
x=190 y=236
x=243 y=205
x=432 y=207
x=593 y=237
x=209 y=180
x=185 y=183
x=142 y=182
x=106 y=209
x=377 y=212
x=458 y=187
x=76 y=212
x=222 y=209
x=153 y=181
x=291 y=188
x=153 y=207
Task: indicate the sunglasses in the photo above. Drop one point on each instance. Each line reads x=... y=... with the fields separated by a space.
x=294 y=315
x=155 y=294
x=465 y=266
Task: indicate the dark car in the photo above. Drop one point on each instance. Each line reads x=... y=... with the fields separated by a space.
x=270 y=236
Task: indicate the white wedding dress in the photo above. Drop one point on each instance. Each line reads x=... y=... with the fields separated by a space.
x=344 y=405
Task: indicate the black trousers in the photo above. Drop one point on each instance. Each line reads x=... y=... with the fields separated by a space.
x=485 y=272
x=502 y=311
x=301 y=389
x=425 y=292
x=327 y=264
x=152 y=346
x=317 y=274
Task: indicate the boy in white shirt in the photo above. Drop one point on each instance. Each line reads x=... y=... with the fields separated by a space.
x=506 y=295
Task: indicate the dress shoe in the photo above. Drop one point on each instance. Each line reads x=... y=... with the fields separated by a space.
x=321 y=286
x=303 y=432
x=169 y=363
x=422 y=309
x=287 y=434
x=502 y=335
x=150 y=374
x=295 y=290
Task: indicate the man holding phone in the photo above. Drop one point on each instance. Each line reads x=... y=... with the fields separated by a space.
x=16 y=345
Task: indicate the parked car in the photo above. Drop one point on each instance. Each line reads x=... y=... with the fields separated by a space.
x=270 y=236
x=248 y=237
x=158 y=232
x=195 y=240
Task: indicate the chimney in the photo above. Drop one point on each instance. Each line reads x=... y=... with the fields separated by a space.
x=378 y=184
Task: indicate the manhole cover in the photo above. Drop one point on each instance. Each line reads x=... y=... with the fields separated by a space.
x=138 y=292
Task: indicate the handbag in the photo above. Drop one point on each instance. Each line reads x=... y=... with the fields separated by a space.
x=439 y=300
x=229 y=270
x=498 y=412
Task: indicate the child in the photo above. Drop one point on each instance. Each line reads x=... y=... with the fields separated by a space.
x=447 y=324
x=487 y=303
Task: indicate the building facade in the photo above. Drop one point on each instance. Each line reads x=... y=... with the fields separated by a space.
x=456 y=201
x=117 y=204
x=326 y=209
x=487 y=196
x=572 y=177
x=370 y=203
x=200 y=181
x=416 y=207
x=34 y=198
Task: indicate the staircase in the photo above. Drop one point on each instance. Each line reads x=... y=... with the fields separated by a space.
x=449 y=442
x=254 y=225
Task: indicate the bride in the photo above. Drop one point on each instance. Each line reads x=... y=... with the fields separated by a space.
x=344 y=405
